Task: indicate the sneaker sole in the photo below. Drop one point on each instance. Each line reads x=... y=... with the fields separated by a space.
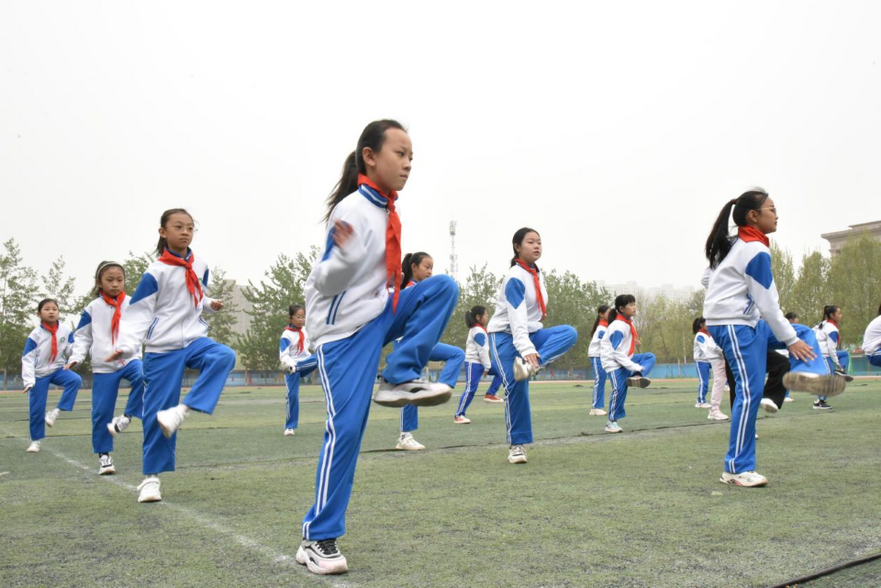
x=733 y=482
x=405 y=448
x=167 y=431
x=769 y=408
x=822 y=407
x=394 y=399
x=112 y=430
x=304 y=560
x=615 y=431
x=638 y=382
x=499 y=401
x=815 y=383
x=150 y=499
x=107 y=471
x=461 y=422
x=516 y=460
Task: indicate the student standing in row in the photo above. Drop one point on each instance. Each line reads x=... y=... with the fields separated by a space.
x=708 y=357
x=293 y=353
x=828 y=337
x=477 y=362
x=600 y=325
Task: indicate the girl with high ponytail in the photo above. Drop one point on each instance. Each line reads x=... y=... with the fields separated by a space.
x=477 y=363
x=743 y=316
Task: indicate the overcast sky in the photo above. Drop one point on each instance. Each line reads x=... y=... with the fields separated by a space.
x=618 y=130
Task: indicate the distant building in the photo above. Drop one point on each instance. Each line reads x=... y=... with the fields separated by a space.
x=668 y=291
x=839 y=238
x=243 y=321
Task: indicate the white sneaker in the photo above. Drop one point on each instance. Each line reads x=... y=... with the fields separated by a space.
x=290 y=432
x=406 y=442
x=149 y=489
x=105 y=463
x=118 y=425
x=768 y=405
x=461 y=420
x=819 y=384
x=745 y=479
x=716 y=415
x=613 y=427
x=416 y=392
x=34 y=447
x=638 y=382
x=703 y=405
x=597 y=412
x=51 y=415
x=788 y=399
x=523 y=370
x=322 y=557
x=171 y=419
x=516 y=454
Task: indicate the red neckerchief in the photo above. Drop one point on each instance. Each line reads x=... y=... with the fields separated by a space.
x=392 y=238
x=116 y=303
x=705 y=332
x=53 y=329
x=604 y=323
x=634 y=336
x=193 y=283
x=299 y=331
x=410 y=283
x=833 y=323
x=539 y=298
x=747 y=234
x=481 y=326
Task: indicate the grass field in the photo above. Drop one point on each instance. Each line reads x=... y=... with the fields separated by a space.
x=641 y=509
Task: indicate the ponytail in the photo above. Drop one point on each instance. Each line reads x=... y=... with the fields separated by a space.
x=601 y=310
x=407 y=264
x=470 y=315
x=372 y=137
x=696 y=325
x=719 y=242
x=828 y=311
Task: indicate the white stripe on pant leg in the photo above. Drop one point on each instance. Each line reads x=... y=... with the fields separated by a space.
x=402 y=419
x=495 y=351
x=331 y=429
x=747 y=398
x=700 y=379
x=467 y=390
x=596 y=382
x=324 y=476
x=613 y=404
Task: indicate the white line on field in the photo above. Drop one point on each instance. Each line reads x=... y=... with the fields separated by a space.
x=199 y=518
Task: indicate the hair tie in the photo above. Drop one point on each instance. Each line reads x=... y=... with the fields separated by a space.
x=104 y=265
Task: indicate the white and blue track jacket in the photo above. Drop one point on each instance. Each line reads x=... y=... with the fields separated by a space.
x=827 y=336
x=741 y=290
x=517 y=309
x=705 y=348
x=615 y=348
x=287 y=348
x=593 y=350
x=38 y=349
x=477 y=347
x=347 y=288
x=872 y=337
x=162 y=312
x=93 y=337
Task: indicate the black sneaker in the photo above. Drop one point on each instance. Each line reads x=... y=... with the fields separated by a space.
x=821 y=405
x=322 y=557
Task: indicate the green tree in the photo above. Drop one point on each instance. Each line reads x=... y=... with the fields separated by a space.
x=811 y=291
x=855 y=283
x=135 y=267
x=481 y=288
x=574 y=303
x=784 y=274
x=62 y=288
x=270 y=300
x=222 y=322
x=18 y=302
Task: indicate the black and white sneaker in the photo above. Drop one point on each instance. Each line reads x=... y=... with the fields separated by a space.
x=118 y=425
x=416 y=392
x=105 y=463
x=322 y=557
x=821 y=405
x=638 y=382
x=819 y=384
x=847 y=377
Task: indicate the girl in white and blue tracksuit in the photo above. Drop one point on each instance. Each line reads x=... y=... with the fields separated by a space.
x=477 y=362
x=96 y=337
x=516 y=334
x=416 y=267
x=293 y=353
x=351 y=315
x=42 y=364
x=623 y=368
x=828 y=337
x=740 y=292
x=872 y=341
x=600 y=326
x=165 y=315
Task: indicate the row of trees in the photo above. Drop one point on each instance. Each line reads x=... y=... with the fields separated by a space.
x=852 y=281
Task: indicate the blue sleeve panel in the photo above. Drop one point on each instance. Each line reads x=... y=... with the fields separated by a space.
x=29 y=346
x=283 y=344
x=616 y=338
x=480 y=339
x=515 y=292
x=834 y=336
x=601 y=335
x=85 y=320
x=205 y=278
x=701 y=339
x=328 y=247
x=759 y=269
x=146 y=287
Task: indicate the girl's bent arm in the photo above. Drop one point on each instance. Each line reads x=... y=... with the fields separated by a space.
x=761 y=288
x=342 y=260
x=136 y=319
x=82 y=339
